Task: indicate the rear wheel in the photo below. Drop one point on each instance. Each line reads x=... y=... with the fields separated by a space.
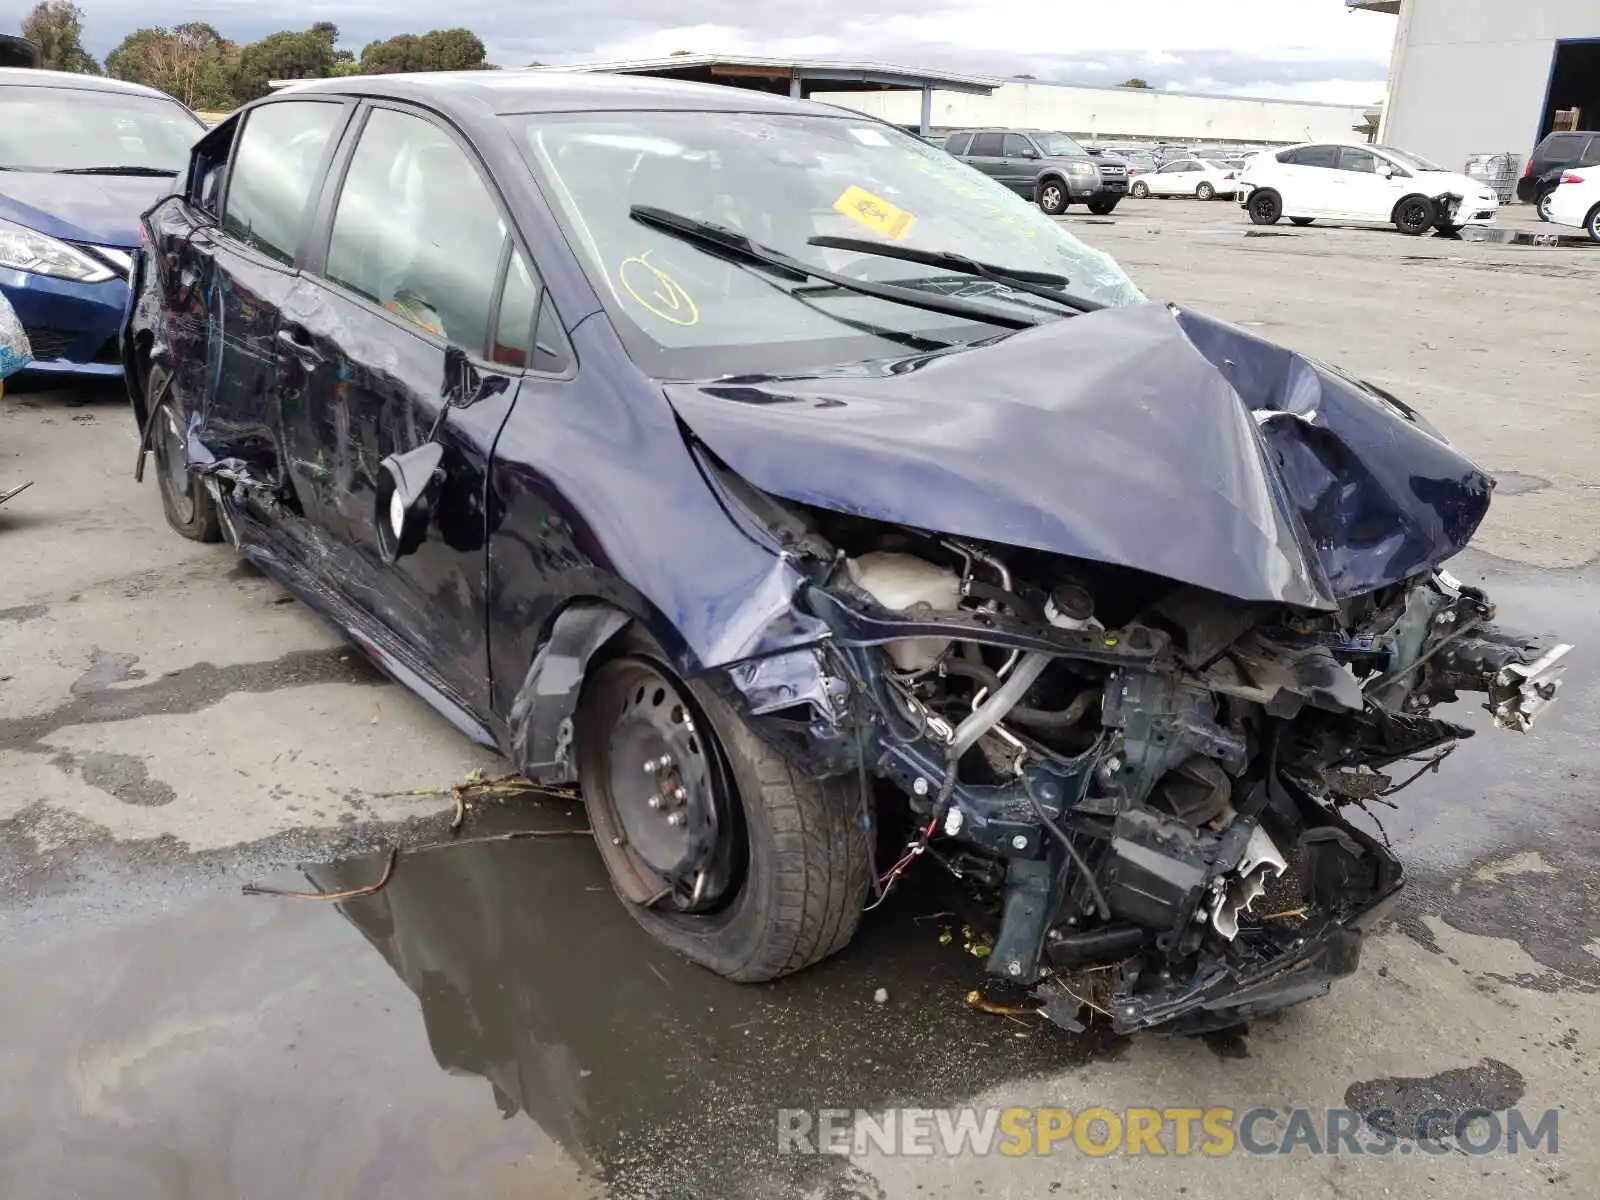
x=1140 y=189
x=718 y=846
x=1205 y=192
x=1413 y=216
x=1265 y=206
x=1053 y=197
x=1591 y=224
x=1301 y=220
x=188 y=506
x=1543 y=203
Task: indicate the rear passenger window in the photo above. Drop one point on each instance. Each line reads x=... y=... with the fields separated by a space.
x=1317 y=156
x=514 y=329
x=280 y=153
x=416 y=230
x=986 y=145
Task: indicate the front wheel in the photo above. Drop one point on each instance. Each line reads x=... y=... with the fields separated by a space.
x=1205 y=192
x=1591 y=224
x=1302 y=221
x=1102 y=208
x=1053 y=197
x=1414 y=216
x=1140 y=190
x=1265 y=207
x=188 y=506
x=720 y=848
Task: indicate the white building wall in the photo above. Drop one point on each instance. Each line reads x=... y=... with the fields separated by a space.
x=1470 y=76
x=1114 y=114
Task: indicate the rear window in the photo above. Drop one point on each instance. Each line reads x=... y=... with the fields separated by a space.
x=1561 y=146
x=958 y=143
x=72 y=129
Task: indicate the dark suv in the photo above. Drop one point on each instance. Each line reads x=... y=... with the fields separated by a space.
x=1551 y=157
x=1049 y=168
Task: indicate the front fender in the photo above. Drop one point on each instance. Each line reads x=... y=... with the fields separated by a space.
x=541 y=714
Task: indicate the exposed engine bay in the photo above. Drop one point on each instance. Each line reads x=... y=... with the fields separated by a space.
x=1149 y=778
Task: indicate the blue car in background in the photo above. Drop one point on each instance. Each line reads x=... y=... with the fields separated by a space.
x=80 y=159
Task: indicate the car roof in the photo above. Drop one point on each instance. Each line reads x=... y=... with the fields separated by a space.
x=69 y=80
x=502 y=93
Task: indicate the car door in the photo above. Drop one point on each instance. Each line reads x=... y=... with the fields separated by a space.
x=1360 y=191
x=1166 y=180
x=414 y=322
x=241 y=270
x=988 y=154
x=1020 y=163
x=1311 y=182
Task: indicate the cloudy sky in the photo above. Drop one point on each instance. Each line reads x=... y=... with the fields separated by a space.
x=1302 y=49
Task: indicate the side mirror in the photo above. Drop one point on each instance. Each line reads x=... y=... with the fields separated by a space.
x=408 y=488
x=1386 y=171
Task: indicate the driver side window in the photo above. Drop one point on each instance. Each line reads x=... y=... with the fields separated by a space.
x=417 y=231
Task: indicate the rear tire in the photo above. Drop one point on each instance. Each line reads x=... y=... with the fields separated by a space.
x=188 y=506
x=1301 y=221
x=1265 y=207
x=1591 y=224
x=1053 y=197
x=1205 y=192
x=801 y=847
x=1414 y=216
x=1542 y=205
x=1140 y=190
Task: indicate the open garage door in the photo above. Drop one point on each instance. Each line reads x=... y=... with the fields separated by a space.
x=1573 y=100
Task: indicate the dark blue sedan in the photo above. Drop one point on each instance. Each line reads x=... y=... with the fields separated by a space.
x=80 y=158
x=823 y=509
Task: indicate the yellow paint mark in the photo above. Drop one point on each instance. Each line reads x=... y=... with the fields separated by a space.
x=656 y=291
x=876 y=213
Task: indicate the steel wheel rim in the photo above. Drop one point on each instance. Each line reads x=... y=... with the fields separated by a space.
x=668 y=796
x=1262 y=207
x=1544 y=205
x=170 y=460
x=1414 y=216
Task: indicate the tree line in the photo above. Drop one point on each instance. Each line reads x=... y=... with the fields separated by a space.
x=207 y=71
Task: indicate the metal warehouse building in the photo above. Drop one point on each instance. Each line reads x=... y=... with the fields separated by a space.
x=1117 y=114
x=1489 y=76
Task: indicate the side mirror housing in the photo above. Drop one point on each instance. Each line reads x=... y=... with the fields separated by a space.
x=407 y=490
x=1386 y=171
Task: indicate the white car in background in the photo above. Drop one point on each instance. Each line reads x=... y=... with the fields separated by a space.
x=1576 y=200
x=1359 y=182
x=1197 y=177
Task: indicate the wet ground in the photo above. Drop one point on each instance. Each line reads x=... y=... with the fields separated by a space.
x=490 y=1023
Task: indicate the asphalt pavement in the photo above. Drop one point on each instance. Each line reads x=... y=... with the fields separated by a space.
x=491 y=1023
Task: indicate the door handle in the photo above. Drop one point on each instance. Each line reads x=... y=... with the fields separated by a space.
x=297 y=342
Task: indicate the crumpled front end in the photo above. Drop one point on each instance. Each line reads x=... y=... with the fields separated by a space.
x=1149 y=781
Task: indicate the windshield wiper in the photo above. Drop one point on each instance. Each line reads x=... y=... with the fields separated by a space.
x=115 y=171
x=729 y=243
x=1034 y=283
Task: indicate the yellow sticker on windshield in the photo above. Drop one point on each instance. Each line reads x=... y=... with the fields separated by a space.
x=876 y=213
x=657 y=291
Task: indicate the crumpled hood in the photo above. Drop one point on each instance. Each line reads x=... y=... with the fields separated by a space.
x=1147 y=437
x=99 y=209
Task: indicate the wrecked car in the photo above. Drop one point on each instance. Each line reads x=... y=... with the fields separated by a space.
x=782 y=481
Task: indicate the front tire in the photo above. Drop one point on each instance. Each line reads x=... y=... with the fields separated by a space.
x=1140 y=190
x=788 y=858
x=188 y=506
x=1591 y=224
x=1053 y=197
x=1102 y=208
x=1205 y=192
x=1265 y=207
x=1414 y=216
x=1301 y=221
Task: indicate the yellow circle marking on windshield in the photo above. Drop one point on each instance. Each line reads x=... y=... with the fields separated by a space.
x=657 y=291
x=876 y=213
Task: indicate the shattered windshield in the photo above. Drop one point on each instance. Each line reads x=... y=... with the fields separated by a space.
x=780 y=180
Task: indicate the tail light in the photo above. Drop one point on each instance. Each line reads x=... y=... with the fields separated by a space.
x=1528 y=170
x=1571 y=177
